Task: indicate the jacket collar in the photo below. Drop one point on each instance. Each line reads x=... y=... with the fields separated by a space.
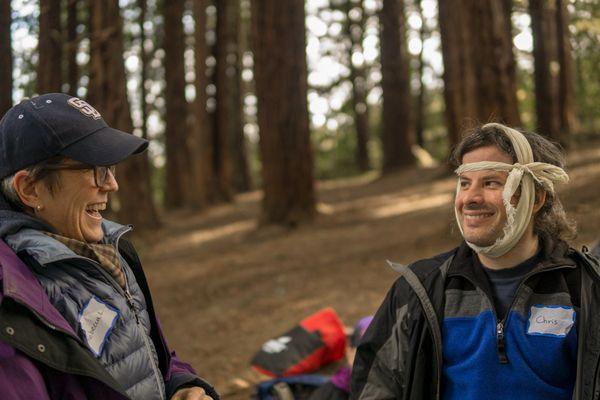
x=554 y=254
x=45 y=249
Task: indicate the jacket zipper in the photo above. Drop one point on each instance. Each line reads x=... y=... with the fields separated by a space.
x=129 y=298
x=501 y=325
x=500 y=344
x=147 y=346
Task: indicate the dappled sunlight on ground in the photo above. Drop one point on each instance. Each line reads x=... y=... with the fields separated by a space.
x=412 y=204
x=201 y=236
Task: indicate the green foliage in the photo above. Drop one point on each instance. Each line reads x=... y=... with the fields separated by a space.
x=254 y=164
x=158 y=183
x=585 y=23
x=335 y=152
x=526 y=96
x=434 y=129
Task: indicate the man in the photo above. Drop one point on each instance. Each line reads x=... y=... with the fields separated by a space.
x=510 y=313
x=76 y=315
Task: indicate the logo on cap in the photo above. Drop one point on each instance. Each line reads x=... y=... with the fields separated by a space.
x=84 y=108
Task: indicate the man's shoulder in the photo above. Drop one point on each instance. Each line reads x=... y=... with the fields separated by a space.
x=425 y=267
x=587 y=260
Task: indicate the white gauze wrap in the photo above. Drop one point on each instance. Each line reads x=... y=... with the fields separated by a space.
x=523 y=173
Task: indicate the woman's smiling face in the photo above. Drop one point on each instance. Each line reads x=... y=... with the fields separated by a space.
x=73 y=207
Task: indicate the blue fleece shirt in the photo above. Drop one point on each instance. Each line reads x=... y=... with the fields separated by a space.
x=539 y=341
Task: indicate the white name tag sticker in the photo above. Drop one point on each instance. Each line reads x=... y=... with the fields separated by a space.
x=97 y=320
x=550 y=320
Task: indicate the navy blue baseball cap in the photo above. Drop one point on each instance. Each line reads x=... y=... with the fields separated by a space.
x=54 y=124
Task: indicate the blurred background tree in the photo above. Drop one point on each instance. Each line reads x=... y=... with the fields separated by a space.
x=241 y=94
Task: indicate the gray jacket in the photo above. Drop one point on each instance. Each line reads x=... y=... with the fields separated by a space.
x=75 y=285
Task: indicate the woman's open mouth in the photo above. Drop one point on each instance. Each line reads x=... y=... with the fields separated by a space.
x=93 y=210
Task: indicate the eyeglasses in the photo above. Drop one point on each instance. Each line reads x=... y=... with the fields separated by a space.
x=100 y=172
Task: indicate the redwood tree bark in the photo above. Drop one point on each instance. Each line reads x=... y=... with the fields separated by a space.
x=568 y=116
x=420 y=100
x=6 y=63
x=358 y=78
x=49 y=71
x=72 y=77
x=460 y=79
x=496 y=72
x=479 y=66
x=176 y=130
x=108 y=93
x=547 y=66
x=143 y=6
x=281 y=88
x=553 y=60
x=232 y=169
x=203 y=175
x=397 y=129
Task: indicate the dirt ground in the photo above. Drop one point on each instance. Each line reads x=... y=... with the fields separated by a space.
x=223 y=286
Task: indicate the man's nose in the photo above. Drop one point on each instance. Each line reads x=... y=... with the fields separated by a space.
x=473 y=195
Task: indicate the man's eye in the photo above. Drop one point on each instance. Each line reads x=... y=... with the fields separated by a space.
x=494 y=183
x=464 y=184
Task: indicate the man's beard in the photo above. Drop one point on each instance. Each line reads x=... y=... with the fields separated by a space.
x=490 y=234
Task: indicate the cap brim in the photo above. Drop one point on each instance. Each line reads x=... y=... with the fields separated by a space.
x=106 y=146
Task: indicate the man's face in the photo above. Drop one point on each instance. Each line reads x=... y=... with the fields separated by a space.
x=479 y=205
x=74 y=207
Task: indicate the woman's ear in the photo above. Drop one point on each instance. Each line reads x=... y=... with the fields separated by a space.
x=27 y=189
x=540 y=199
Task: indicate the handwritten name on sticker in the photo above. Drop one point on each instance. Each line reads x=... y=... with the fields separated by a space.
x=550 y=320
x=97 y=320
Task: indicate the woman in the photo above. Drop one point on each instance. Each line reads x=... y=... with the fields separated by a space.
x=76 y=316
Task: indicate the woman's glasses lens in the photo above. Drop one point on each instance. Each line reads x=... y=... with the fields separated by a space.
x=101 y=174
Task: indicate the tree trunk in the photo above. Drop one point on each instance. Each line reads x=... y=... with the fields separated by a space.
x=232 y=169
x=143 y=68
x=397 y=131
x=460 y=81
x=6 y=63
x=547 y=66
x=49 y=71
x=281 y=89
x=479 y=67
x=420 y=108
x=358 y=79
x=496 y=72
x=553 y=60
x=72 y=47
x=176 y=133
x=108 y=93
x=568 y=116
x=203 y=175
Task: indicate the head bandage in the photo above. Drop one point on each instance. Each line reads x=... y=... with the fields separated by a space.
x=524 y=172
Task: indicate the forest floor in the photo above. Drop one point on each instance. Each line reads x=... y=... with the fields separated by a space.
x=223 y=285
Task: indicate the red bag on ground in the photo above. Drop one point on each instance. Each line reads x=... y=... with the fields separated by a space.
x=318 y=340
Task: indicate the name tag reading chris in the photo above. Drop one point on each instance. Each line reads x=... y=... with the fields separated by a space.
x=550 y=320
x=97 y=319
